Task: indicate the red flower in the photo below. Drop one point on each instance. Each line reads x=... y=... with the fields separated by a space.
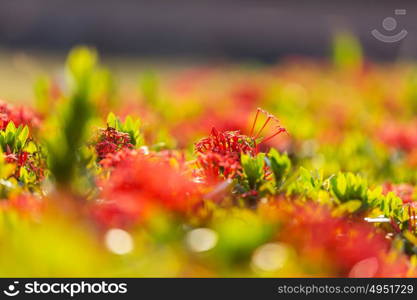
x=23 y=159
x=111 y=141
x=113 y=159
x=219 y=154
x=399 y=136
x=139 y=184
x=352 y=246
x=19 y=115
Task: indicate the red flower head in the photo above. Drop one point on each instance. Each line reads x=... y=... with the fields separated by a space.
x=219 y=154
x=113 y=159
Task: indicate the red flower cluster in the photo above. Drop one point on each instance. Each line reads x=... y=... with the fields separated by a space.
x=219 y=154
x=24 y=160
x=358 y=249
x=112 y=160
x=111 y=141
x=19 y=115
x=139 y=184
x=20 y=159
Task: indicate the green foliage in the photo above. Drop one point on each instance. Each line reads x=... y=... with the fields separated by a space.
x=14 y=139
x=307 y=182
x=130 y=126
x=253 y=169
x=348 y=187
x=71 y=122
x=280 y=165
x=309 y=185
x=390 y=205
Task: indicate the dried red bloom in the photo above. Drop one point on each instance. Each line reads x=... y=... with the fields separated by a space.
x=110 y=141
x=139 y=184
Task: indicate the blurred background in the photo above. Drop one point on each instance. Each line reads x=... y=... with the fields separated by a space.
x=162 y=31
x=263 y=29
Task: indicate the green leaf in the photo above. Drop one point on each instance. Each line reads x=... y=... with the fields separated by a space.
x=112 y=120
x=348 y=207
x=11 y=128
x=24 y=135
x=31 y=147
x=349 y=187
x=128 y=125
x=279 y=164
x=253 y=168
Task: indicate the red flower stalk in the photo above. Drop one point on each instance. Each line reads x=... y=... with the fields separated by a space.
x=269 y=118
x=111 y=141
x=395 y=225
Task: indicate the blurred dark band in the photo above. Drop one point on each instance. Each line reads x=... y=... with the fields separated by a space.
x=262 y=29
x=181 y=288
